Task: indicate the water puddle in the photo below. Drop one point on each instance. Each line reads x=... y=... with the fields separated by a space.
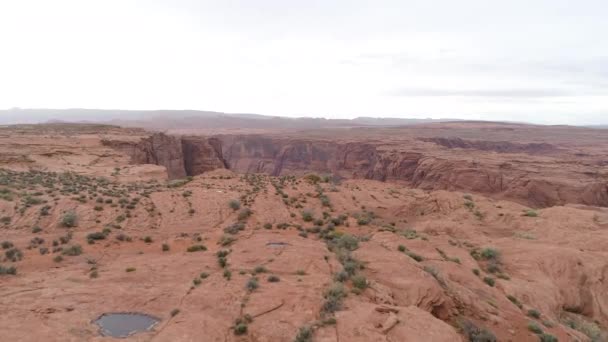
x=124 y=324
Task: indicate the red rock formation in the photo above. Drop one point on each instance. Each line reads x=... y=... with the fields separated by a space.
x=280 y=155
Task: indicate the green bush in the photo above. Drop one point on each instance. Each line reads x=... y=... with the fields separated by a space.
x=475 y=333
x=544 y=337
x=69 y=220
x=333 y=298
x=244 y=214
x=304 y=334
x=490 y=254
x=307 y=215
x=533 y=327
x=347 y=242
x=234 y=204
x=196 y=248
x=359 y=282
x=11 y=270
x=534 y=313
x=234 y=228
x=73 y=250
x=252 y=284
x=489 y=280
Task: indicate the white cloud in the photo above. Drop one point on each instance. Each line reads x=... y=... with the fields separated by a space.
x=479 y=59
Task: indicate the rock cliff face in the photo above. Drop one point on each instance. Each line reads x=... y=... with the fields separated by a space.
x=184 y=156
x=495 y=146
x=159 y=149
x=201 y=154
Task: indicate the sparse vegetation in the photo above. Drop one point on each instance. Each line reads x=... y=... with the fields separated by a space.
x=304 y=334
x=475 y=333
x=234 y=204
x=69 y=220
x=196 y=248
x=534 y=313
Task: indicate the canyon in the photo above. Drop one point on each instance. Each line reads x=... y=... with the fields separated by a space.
x=540 y=174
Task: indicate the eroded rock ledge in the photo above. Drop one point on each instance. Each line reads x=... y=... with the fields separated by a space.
x=193 y=155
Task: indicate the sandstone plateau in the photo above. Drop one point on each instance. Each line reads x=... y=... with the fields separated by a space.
x=463 y=231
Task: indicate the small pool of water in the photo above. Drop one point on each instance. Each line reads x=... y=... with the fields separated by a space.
x=124 y=324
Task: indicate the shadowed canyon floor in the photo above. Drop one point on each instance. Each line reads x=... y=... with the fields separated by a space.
x=373 y=252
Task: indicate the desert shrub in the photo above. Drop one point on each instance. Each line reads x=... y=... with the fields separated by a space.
x=96 y=236
x=36 y=229
x=123 y=237
x=98 y=208
x=304 y=334
x=268 y=225
x=130 y=269
x=6 y=219
x=534 y=313
x=490 y=254
x=259 y=269
x=165 y=247
x=174 y=312
x=273 y=279
x=234 y=228
x=489 y=280
x=252 y=284
x=307 y=215
x=226 y=240
x=514 y=300
x=414 y=256
x=544 y=337
x=6 y=244
x=531 y=213
x=10 y=270
x=341 y=276
x=476 y=272
x=312 y=178
x=234 y=204
x=347 y=242
x=148 y=239
x=533 y=327
x=475 y=333
x=176 y=183
x=14 y=254
x=244 y=214
x=58 y=258
x=196 y=281
x=44 y=211
x=69 y=220
x=359 y=282
x=73 y=250
x=196 y=248
x=333 y=298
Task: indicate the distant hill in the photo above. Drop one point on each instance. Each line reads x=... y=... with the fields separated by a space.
x=192 y=119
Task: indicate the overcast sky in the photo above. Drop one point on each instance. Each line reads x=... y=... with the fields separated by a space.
x=533 y=60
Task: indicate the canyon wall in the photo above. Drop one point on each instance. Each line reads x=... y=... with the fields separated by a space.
x=277 y=156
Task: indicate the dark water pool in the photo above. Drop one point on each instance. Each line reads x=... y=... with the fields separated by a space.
x=124 y=324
